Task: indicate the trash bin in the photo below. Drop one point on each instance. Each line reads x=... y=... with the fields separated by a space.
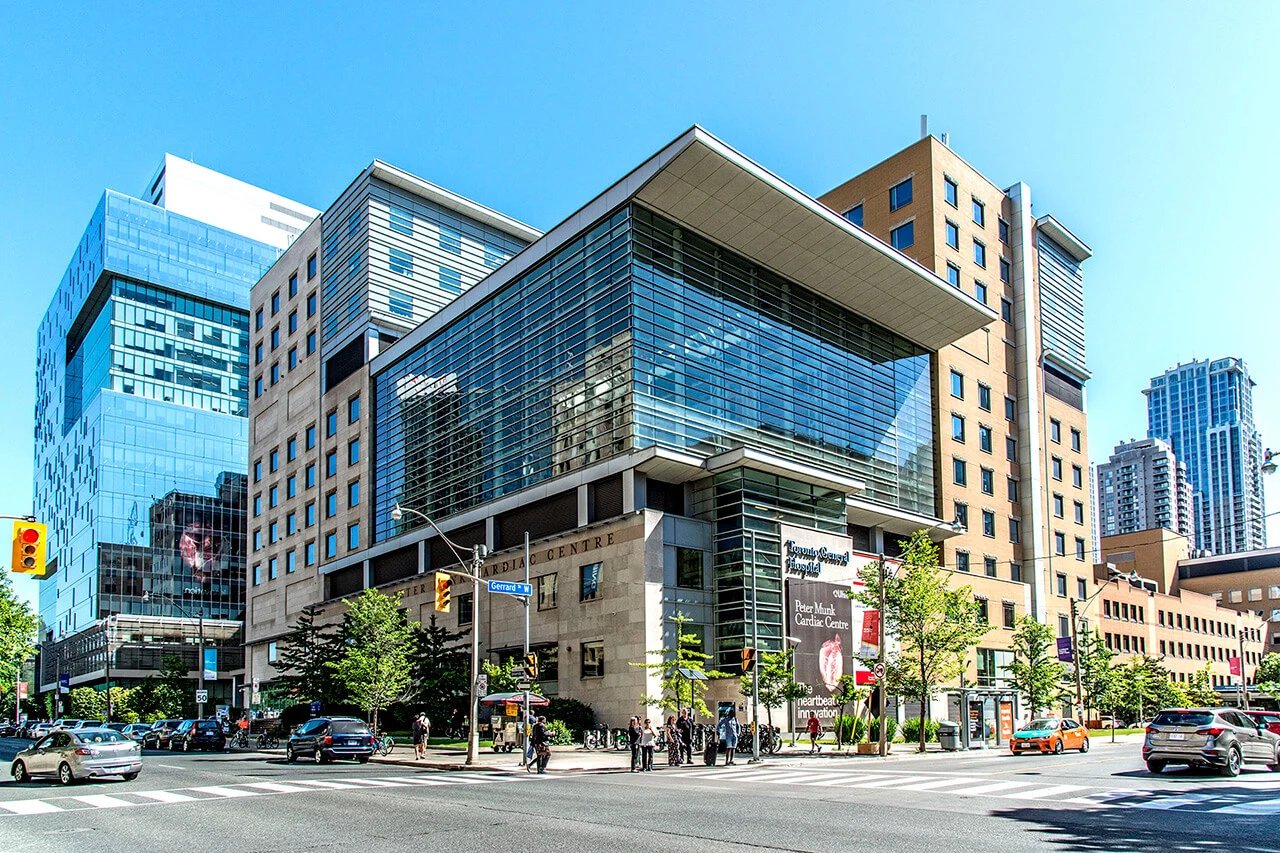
x=949 y=735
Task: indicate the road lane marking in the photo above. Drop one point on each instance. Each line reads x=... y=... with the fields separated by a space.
x=324 y=783
x=219 y=791
x=1042 y=793
x=274 y=787
x=102 y=801
x=929 y=784
x=374 y=783
x=171 y=767
x=30 y=807
x=989 y=789
x=1260 y=807
x=164 y=796
x=877 y=783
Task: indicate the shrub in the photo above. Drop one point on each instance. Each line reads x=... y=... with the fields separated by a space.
x=559 y=732
x=576 y=715
x=849 y=729
x=891 y=729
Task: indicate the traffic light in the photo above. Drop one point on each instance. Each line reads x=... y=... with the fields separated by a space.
x=748 y=659
x=531 y=664
x=28 y=547
x=444 y=594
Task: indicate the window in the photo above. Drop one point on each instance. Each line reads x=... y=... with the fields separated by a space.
x=957 y=385
x=590 y=582
x=1273 y=592
x=257 y=387
x=309 y=514
x=989 y=566
x=293 y=357
x=1233 y=596
x=257 y=471
x=980 y=292
x=1079 y=511
x=290 y=562
x=1075 y=439
x=450 y=240
x=257 y=320
x=950 y=192
x=293 y=322
x=953 y=275
x=979 y=213
x=275 y=303
x=1003 y=228
x=353 y=410
x=957 y=427
x=310 y=476
x=984 y=438
x=257 y=505
x=400 y=303
x=331 y=463
x=1057 y=506
x=274 y=458
x=979 y=253
x=353 y=452
x=275 y=373
x=1082 y=589
x=984 y=397
x=962 y=514
x=953 y=235
x=1010 y=409
x=1015 y=531
x=988 y=524
x=331 y=424
x=353 y=493
x=291 y=486
x=959 y=471
x=988 y=481
x=1015 y=572
x=401 y=220
x=273 y=568
x=1011 y=449
x=291 y=449
x=1010 y=615
x=1056 y=468
x=854 y=215
x=311 y=267
x=1055 y=431
x=330 y=545
x=257 y=574
x=1061 y=581
x=1064 y=624
x=903 y=237
x=1060 y=544
x=983 y=615
x=400 y=262
x=257 y=353
x=962 y=561
x=689 y=568
x=1077 y=476
x=311 y=437
x=311 y=342
x=900 y=195
x=546 y=586
x=1255 y=593
x=353 y=536
x=450 y=280
x=311 y=304
x=1013 y=489
x=466 y=608
x=291 y=524
x=275 y=338
x=1006 y=270
x=593 y=660
x=275 y=532
x=331 y=505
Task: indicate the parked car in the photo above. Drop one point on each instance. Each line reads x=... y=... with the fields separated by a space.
x=43 y=729
x=1050 y=734
x=1108 y=722
x=29 y=727
x=158 y=736
x=1209 y=737
x=137 y=730
x=80 y=754
x=1266 y=719
x=197 y=734
x=8 y=729
x=327 y=738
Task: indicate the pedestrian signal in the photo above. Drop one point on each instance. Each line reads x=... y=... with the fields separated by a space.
x=748 y=659
x=444 y=594
x=29 y=547
x=531 y=664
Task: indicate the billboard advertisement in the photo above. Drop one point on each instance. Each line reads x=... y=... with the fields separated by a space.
x=825 y=629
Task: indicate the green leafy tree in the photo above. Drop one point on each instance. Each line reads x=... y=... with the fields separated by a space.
x=777 y=681
x=676 y=690
x=179 y=688
x=18 y=625
x=1266 y=677
x=1145 y=687
x=375 y=665
x=1097 y=670
x=155 y=699
x=304 y=658
x=89 y=703
x=441 y=664
x=935 y=626
x=1199 y=688
x=1036 y=672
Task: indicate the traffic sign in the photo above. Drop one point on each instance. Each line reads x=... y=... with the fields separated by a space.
x=315 y=708
x=511 y=588
x=879 y=670
x=202 y=695
x=524 y=685
x=482 y=683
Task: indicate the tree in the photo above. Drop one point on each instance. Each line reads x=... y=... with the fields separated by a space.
x=1036 y=673
x=1200 y=690
x=18 y=625
x=777 y=682
x=1144 y=687
x=304 y=658
x=1097 y=674
x=89 y=703
x=441 y=663
x=934 y=625
x=676 y=689
x=376 y=638
x=179 y=692
x=155 y=699
x=1266 y=677
x=847 y=690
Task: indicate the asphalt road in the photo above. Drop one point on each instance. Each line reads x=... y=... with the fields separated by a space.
x=1102 y=801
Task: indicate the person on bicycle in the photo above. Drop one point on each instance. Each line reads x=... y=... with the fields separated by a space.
x=684 y=726
x=815 y=731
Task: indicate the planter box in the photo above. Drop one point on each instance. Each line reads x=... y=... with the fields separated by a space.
x=869 y=748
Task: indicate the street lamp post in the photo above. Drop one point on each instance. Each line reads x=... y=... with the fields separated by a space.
x=755 y=658
x=478 y=554
x=199 y=654
x=1112 y=575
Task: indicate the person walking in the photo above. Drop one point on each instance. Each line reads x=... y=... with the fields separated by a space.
x=684 y=726
x=633 y=741
x=729 y=731
x=419 y=738
x=815 y=731
x=647 y=739
x=542 y=744
x=672 y=736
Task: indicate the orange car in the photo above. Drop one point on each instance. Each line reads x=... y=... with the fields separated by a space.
x=1049 y=734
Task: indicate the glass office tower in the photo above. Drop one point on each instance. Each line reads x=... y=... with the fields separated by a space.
x=141 y=435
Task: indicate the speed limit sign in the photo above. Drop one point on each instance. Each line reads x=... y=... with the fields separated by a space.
x=879 y=670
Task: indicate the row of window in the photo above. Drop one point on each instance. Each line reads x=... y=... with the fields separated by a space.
x=1060 y=547
x=1055 y=434
x=1196 y=651
x=987 y=478
x=1126 y=643
x=1195 y=624
x=989 y=566
x=1235 y=596
x=309 y=552
x=1122 y=610
x=961 y=517
x=1009 y=614
x=309 y=512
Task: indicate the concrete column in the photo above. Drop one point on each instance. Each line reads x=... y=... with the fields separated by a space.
x=629 y=490
x=584 y=505
x=368 y=574
x=422 y=556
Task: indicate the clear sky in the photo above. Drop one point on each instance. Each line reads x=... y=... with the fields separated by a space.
x=1148 y=128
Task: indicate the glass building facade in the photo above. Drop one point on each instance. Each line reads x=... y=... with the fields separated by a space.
x=141 y=438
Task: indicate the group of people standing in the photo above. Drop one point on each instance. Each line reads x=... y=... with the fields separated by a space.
x=642 y=738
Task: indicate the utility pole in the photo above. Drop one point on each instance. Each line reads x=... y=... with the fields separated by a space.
x=1244 y=691
x=200 y=663
x=1075 y=661
x=882 y=749
x=526 y=710
x=108 y=663
x=478 y=553
x=755 y=659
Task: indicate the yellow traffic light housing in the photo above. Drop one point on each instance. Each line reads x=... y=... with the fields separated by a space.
x=444 y=594
x=748 y=659
x=29 y=547
x=531 y=665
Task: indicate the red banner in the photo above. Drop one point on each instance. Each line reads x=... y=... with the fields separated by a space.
x=1234 y=663
x=870 y=633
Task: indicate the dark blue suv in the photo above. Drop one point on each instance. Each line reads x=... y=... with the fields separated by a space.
x=327 y=738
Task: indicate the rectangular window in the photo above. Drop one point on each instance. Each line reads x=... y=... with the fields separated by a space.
x=989 y=566
x=1004 y=231
x=1010 y=615
x=988 y=524
x=257 y=320
x=311 y=437
x=957 y=427
x=353 y=452
x=1006 y=310
x=257 y=353
x=1056 y=468
x=274 y=533
x=400 y=262
x=331 y=424
x=1079 y=511
x=293 y=357
x=1079 y=548
x=1077 y=476
x=400 y=303
x=311 y=342
x=291 y=449
x=1057 y=506
x=959 y=472
x=950 y=192
x=1060 y=544
x=273 y=568
x=275 y=338
x=330 y=546
x=1075 y=439
x=353 y=536
x=979 y=213
x=309 y=514
x=953 y=235
x=293 y=322
x=257 y=574
x=962 y=561
x=903 y=237
x=331 y=463
x=353 y=493
x=331 y=505
x=957 y=385
x=257 y=387
x=311 y=305
x=593 y=660
x=1015 y=572
x=961 y=514
x=988 y=481
x=290 y=562
x=275 y=373
x=1082 y=589
x=401 y=220
x=291 y=486
x=953 y=275
x=466 y=609
x=1011 y=449
x=590 y=582
x=1055 y=431
x=450 y=240
x=1006 y=271
x=275 y=303
x=689 y=568
x=546 y=586
x=274 y=460
x=450 y=280
x=983 y=613
x=311 y=267
x=353 y=410
x=900 y=195
x=854 y=215
x=984 y=397
x=980 y=292
x=1015 y=531
x=310 y=477
x=257 y=505
x=979 y=253
x=1061 y=581
x=291 y=524
x=257 y=471
x=1011 y=409
x=984 y=438
x=1013 y=489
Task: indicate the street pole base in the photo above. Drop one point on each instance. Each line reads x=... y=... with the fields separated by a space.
x=755 y=761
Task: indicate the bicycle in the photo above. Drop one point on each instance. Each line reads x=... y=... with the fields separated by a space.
x=595 y=739
x=240 y=740
x=267 y=740
x=383 y=744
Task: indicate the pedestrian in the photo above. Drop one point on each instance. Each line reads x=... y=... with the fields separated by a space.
x=729 y=731
x=419 y=738
x=633 y=741
x=647 y=738
x=674 y=748
x=815 y=731
x=530 y=754
x=684 y=726
x=542 y=744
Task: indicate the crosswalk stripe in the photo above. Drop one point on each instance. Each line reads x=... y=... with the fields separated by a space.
x=990 y=789
x=273 y=787
x=472 y=779
x=930 y=784
x=219 y=791
x=102 y=801
x=1177 y=801
x=419 y=781
x=374 y=783
x=784 y=778
x=163 y=796
x=882 y=782
x=1042 y=793
x=1259 y=807
x=324 y=783
x=30 y=807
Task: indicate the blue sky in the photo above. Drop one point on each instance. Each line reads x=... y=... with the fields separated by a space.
x=1148 y=128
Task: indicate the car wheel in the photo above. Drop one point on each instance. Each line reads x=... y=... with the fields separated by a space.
x=20 y=773
x=319 y=755
x=1232 y=765
x=1057 y=747
x=288 y=754
x=1084 y=746
x=363 y=759
x=1155 y=766
x=129 y=777
x=65 y=776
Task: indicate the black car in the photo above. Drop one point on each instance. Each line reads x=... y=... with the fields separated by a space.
x=197 y=734
x=327 y=738
x=161 y=732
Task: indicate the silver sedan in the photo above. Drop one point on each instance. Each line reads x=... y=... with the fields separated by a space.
x=79 y=754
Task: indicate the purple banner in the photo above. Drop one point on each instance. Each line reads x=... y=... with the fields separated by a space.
x=1064 y=650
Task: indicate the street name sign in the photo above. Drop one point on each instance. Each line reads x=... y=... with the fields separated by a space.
x=511 y=588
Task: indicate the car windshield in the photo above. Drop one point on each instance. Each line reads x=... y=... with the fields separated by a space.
x=1182 y=718
x=1043 y=723
x=209 y=727
x=349 y=727
x=100 y=736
